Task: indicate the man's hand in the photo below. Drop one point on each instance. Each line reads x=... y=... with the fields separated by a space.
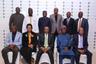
x=65 y=48
x=81 y=51
x=11 y=46
x=43 y=49
x=31 y=46
x=46 y=49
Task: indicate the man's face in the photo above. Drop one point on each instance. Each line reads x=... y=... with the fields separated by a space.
x=44 y=13
x=56 y=11
x=68 y=14
x=80 y=14
x=30 y=11
x=17 y=10
x=29 y=29
x=46 y=29
x=81 y=31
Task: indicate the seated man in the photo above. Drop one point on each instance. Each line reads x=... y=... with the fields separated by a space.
x=46 y=45
x=64 y=46
x=13 y=42
x=81 y=46
x=29 y=40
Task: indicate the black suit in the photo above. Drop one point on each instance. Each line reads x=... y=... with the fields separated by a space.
x=26 y=51
x=84 y=24
x=85 y=47
x=71 y=26
x=44 y=21
x=50 y=45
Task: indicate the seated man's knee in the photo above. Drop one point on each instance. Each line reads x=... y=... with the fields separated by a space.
x=89 y=54
x=4 y=50
x=16 y=49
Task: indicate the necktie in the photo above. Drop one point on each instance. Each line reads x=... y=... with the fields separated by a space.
x=56 y=18
x=29 y=38
x=46 y=41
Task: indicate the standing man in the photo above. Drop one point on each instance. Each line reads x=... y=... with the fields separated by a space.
x=44 y=21
x=46 y=45
x=29 y=40
x=81 y=46
x=56 y=22
x=16 y=19
x=70 y=24
x=82 y=22
x=13 y=43
x=64 y=46
x=30 y=19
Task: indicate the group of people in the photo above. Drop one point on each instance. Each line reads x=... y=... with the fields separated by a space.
x=71 y=37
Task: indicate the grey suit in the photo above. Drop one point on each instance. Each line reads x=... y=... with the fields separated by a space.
x=56 y=25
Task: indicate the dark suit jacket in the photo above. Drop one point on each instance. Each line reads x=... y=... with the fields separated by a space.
x=84 y=24
x=16 y=19
x=75 y=42
x=71 y=26
x=25 y=40
x=50 y=41
x=44 y=21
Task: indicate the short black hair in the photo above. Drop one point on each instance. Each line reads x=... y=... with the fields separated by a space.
x=29 y=25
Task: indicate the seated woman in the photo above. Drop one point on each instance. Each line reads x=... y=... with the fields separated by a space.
x=64 y=46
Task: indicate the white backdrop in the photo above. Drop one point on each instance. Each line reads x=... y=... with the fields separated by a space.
x=7 y=7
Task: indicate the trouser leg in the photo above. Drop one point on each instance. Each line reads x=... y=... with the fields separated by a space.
x=15 y=54
x=38 y=56
x=51 y=57
x=4 y=55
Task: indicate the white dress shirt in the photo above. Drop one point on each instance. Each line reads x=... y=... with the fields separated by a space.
x=68 y=19
x=31 y=20
x=80 y=41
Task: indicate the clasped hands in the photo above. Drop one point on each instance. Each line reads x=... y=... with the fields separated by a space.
x=44 y=49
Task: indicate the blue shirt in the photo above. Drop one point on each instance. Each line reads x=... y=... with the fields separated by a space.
x=64 y=40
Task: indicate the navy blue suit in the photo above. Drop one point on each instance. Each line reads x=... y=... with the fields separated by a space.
x=71 y=26
x=85 y=47
x=84 y=24
x=44 y=21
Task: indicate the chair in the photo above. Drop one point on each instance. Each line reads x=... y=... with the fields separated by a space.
x=83 y=59
x=10 y=54
x=34 y=57
x=66 y=61
x=44 y=59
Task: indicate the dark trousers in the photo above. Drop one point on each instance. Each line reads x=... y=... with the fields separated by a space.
x=89 y=56
x=5 y=56
x=50 y=54
x=26 y=52
x=61 y=57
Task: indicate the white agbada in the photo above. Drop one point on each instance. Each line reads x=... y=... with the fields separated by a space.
x=31 y=20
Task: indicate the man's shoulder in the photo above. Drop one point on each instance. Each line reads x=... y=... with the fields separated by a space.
x=40 y=18
x=19 y=33
x=60 y=15
x=71 y=18
x=24 y=33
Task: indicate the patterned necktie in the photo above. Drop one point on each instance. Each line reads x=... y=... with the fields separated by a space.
x=46 y=41
x=29 y=38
